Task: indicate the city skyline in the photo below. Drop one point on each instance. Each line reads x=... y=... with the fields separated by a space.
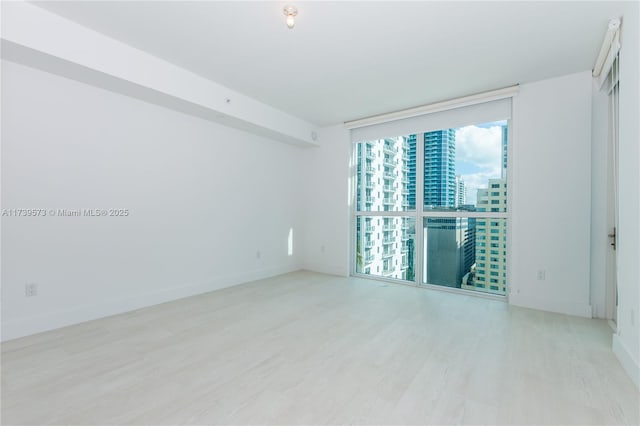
x=460 y=165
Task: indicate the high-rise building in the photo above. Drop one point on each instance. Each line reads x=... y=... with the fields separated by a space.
x=383 y=178
x=440 y=183
x=461 y=192
x=505 y=136
x=440 y=168
x=450 y=249
x=450 y=241
x=469 y=245
x=411 y=164
x=491 y=240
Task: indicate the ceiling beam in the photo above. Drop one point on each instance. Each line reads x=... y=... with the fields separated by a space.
x=40 y=39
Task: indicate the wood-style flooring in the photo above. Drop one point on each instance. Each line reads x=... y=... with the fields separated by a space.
x=307 y=348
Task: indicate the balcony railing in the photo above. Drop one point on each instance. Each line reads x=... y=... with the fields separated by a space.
x=390 y=150
x=389 y=188
x=389 y=175
x=388 y=201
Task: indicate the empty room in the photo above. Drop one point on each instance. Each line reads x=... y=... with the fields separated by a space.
x=320 y=212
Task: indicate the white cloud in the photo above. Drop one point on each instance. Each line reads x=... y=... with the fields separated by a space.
x=475 y=181
x=480 y=146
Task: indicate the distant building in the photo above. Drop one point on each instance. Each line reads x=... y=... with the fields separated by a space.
x=505 y=136
x=461 y=192
x=491 y=240
x=450 y=249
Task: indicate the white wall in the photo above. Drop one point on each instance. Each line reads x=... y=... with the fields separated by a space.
x=203 y=199
x=550 y=193
x=551 y=228
x=626 y=342
x=327 y=212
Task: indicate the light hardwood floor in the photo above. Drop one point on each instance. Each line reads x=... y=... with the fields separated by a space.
x=307 y=348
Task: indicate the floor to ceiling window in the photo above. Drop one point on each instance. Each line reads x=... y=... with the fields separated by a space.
x=431 y=205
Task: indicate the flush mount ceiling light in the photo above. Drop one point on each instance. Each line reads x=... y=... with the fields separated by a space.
x=290 y=12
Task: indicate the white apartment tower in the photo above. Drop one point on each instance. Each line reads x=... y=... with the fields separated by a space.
x=383 y=242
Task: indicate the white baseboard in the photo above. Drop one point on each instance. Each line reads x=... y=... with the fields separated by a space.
x=324 y=269
x=21 y=327
x=568 y=308
x=629 y=364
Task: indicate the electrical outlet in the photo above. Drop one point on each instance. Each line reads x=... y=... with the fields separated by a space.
x=542 y=274
x=30 y=289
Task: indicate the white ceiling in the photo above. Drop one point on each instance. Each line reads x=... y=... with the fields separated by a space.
x=349 y=60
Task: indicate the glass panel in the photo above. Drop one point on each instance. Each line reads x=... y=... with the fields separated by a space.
x=386 y=175
x=385 y=246
x=467 y=253
x=465 y=169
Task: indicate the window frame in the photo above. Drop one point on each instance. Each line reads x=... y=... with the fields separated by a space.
x=420 y=214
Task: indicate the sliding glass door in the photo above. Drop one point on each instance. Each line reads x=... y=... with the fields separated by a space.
x=431 y=207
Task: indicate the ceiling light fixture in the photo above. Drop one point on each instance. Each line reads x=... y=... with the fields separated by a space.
x=290 y=12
